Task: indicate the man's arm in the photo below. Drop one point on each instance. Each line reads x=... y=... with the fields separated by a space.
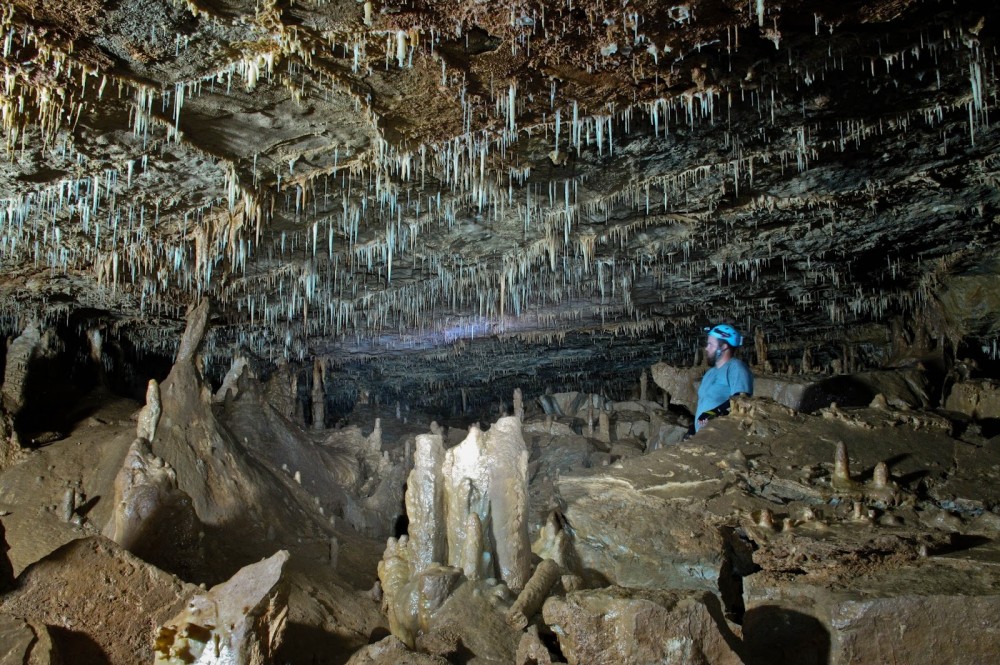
x=714 y=412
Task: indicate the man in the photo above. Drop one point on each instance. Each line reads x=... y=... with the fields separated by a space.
x=728 y=375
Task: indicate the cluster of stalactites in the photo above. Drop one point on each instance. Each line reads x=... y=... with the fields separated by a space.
x=561 y=260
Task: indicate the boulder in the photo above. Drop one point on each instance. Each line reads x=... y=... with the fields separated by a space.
x=936 y=610
x=239 y=621
x=636 y=627
x=902 y=388
x=976 y=398
x=680 y=383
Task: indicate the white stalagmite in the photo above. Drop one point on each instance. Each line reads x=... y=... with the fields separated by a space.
x=488 y=473
x=149 y=415
x=474 y=560
x=425 y=503
x=467 y=510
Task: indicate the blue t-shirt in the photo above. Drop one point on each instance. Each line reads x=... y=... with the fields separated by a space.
x=721 y=383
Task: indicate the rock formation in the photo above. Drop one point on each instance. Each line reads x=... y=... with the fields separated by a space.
x=468 y=514
x=251 y=253
x=239 y=621
x=151 y=517
x=89 y=578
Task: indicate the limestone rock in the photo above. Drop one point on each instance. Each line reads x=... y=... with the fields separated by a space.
x=976 y=398
x=126 y=595
x=617 y=541
x=143 y=487
x=633 y=627
x=425 y=503
x=680 y=383
x=230 y=382
x=473 y=614
x=6 y=569
x=974 y=482
x=390 y=651
x=10 y=449
x=149 y=415
x=909 y=612
x=239 y=621
x=531 y=650
x=487 y=474
x=151 y=517
x=19 y=355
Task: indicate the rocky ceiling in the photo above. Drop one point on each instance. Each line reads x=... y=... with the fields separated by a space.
x=441 y=194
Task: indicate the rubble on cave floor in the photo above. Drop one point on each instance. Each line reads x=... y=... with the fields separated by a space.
x=581 y=526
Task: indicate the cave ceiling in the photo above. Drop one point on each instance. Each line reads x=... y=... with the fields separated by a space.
x=454 y=193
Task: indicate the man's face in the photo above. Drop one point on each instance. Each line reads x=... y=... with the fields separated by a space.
x=711 y=349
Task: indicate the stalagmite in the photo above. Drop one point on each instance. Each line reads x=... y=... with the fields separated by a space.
x=146 y=496
x=375 y=438
x=230 y=382
x=880 y=476
x=531 y=598
x=194 y=332
x=590 y=418
x=760 y=347
x=19 y=355
x=487 y=474
x=149 y=414
x=96 y=342
x=518 y=404
x=604 y=426
x=67 y=505
x=318 y=395
x=841 y=478
x=643 y=385
x=882 y=491
x=475 y=560
x=425 y=503
x=334 y=552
